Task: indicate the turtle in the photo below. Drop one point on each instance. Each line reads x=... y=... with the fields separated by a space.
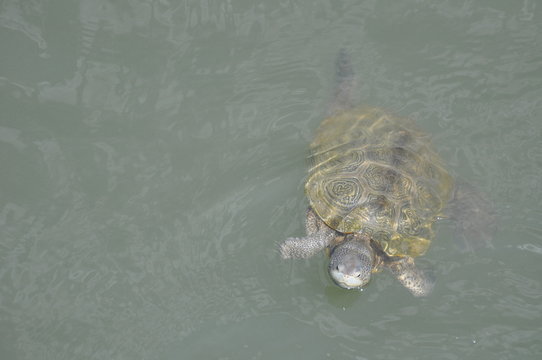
x=375 y=187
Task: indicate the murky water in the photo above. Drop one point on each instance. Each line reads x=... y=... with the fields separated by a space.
x=153 y=155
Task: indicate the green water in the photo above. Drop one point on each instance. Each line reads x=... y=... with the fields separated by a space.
x=152 y=156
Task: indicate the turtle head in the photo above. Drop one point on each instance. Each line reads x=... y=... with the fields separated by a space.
x=351 y=264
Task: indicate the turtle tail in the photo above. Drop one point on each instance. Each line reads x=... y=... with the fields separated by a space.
x=345 y=82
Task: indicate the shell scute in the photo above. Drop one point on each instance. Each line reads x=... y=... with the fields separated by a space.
x=376 y=174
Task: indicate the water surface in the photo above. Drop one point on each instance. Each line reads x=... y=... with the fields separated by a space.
x=153 y=155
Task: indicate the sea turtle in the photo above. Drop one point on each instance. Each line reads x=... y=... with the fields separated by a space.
x=375 y=187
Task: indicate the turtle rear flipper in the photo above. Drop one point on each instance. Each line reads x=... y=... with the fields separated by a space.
x=474 y=218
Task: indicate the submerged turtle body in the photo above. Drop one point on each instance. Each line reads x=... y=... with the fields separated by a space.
x=377 y=175
x=375 y=187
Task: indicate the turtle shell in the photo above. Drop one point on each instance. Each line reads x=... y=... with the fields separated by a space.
x=377 y=174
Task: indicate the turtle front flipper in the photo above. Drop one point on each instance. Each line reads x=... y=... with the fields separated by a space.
x=474 y=217
x=417 y=281
x=319 y=236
